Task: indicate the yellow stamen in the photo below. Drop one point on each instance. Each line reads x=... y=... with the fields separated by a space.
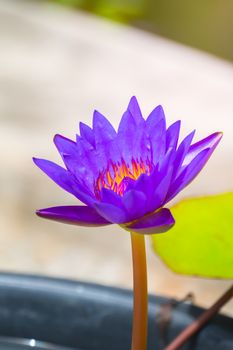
x=112 y=178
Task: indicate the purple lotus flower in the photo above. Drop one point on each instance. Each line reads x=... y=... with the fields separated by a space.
x=126 y=177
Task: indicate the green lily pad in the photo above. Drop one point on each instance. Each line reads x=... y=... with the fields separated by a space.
x=201 y=241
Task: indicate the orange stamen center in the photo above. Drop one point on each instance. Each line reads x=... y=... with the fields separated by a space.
x=117 y=175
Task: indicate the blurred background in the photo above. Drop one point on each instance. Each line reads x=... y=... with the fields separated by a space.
x=60 y=60
x=207 y=25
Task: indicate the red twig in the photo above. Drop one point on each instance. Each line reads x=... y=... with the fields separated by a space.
x=201 y=321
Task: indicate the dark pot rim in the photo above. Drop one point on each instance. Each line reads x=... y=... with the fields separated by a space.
x=94 y=317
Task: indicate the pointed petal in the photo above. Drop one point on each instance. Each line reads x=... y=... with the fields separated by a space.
x=87 y=133
x=63 y=178
x=110 y=212
x=105 y=140
x=111 y=150
x=158 y=142
x=161 y=191
x=158 y=222
x=135 y=111
x=189 y=173
x=172 y=135
x=88 y=156
x=135 y=204
x=78 y=157
x=64 y=145
x=156 y=116
x=148 y=185
x=181 y=153
x=155 y=186
x=74 y=215
x=142 y=184
x=82 y=170
x=103 y=129
x=167 y=161
x=133 y=140
x=125 y=136
x=141 y=144
x=210 y=141
x=109 y=196
x=195 y=166
x=156 y=129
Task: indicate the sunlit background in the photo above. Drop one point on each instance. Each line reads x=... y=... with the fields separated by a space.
x=60 y=60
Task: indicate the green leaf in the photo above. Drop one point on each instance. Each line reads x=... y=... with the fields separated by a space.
x=201 y=241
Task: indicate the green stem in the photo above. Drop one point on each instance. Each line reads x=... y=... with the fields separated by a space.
x=140 y=305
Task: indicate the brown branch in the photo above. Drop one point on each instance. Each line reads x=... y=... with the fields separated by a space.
x=201 y=321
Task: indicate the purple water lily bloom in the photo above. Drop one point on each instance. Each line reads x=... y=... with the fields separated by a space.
x=127 y=176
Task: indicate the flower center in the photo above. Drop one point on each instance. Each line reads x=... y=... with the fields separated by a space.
x=117 y=175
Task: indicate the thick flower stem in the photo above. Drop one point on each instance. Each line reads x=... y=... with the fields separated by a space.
x=201 y=321
x=140 y=305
